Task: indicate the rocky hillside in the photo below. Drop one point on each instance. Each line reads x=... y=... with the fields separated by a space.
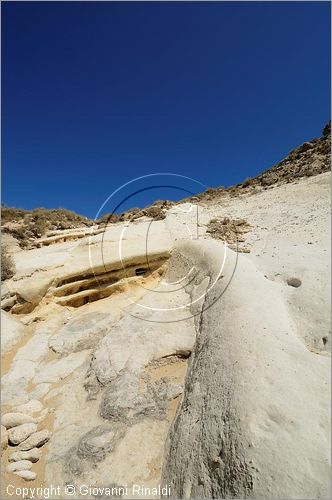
x=25 y=226
x=310 y=158
x=176 y=354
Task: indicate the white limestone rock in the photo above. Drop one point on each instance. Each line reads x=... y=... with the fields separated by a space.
x=33 y=455
x=82 y=332
x=35 y=440
x=19 y=465
x=34 y=350
x=12 y=331
x=28 y=475
x=256 y=396
x=20 y=433
x=31 y=407
x=4 y=437
x=10 y=420
x=60 y=368
x=42 y=415
x=132 y=344
x=41 y=390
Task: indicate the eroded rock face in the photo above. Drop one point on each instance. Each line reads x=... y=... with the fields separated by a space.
x=208 y=366
x=32 y=455
x=143 y=399
x=19 y=465
x=12 y=331
x=30 y=408
x=83 y=332
x=20 y=433
x=35 y=440
x=241 y=411
x=27 y=475
x=4 y=438
x=13 y=419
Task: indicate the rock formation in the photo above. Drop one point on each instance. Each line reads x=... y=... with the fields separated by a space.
x=198 y=364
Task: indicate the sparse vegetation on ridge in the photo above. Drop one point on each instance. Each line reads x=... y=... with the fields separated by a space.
x=311 y=158
x=7 y=265
x=308 y=159
x=25 y=225
x=156 y=211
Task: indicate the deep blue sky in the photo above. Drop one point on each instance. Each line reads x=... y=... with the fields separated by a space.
x=95 y=94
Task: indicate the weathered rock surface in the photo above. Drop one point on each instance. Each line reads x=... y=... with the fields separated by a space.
x=143 y=345
x=12 y=331
x=243 y=414
x=80 y=333
x=32 y=455
x=59 y=369
x=151 y=401
x=198 y=368
x=20 y=433
x=19 y=465
x=98 y=442
x=28 y=475
x=30 y=408
x=14 y=419
x=4 y=438
x=36 y=440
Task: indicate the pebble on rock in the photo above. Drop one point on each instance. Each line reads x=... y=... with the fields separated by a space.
x=294 y=282
x=28 y=475
x=32 y=455
x=18 y=466
x=35 y=440
x=20 y=433
x=10 y=420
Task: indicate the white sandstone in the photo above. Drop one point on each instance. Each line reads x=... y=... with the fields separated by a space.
x=28 y=475
x=20 y=433
x=14 y=419
x=19 y=465
x=33 y=455
x=35 y=440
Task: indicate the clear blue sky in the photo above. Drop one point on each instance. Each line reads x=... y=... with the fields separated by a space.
x=96 y=93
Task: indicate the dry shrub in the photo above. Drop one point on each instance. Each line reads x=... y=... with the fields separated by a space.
x=28 y=225
x=230 y=230
x=157 y=211
x=7 y=265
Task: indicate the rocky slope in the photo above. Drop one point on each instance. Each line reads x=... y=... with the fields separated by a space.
x=136 y=355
